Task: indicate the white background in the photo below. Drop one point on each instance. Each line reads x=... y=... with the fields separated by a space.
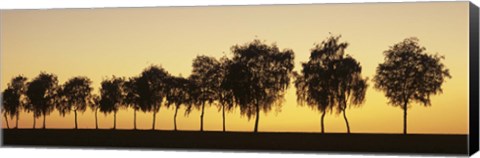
x=83 y=153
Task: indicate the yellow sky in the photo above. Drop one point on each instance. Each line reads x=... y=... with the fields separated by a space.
x=103 y=42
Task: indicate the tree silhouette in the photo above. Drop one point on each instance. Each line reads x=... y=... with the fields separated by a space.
x=13 y=98
x=95 y=106
x=76 y=95
x=410 y=75
x=206 y=74
x=258 y=76
x=177 y=95
x=133 y=97
x=42 y=93
x=151 y=89
x=330 y=79
x=112 y=96
x=226 y=97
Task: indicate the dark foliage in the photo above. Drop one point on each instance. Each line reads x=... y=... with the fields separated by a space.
x=75 y=95
x=13 y=98
x=258 y=76
x=330 y=79
x=410 y=75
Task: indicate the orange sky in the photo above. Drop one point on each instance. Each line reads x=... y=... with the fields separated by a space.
x=102 y=42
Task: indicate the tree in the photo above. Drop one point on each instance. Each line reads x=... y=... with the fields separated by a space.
x=112 y=97
x=178 y=94
x=133 y=97
x=151 y=86
x=76 y=95
x=42 y=93
x=206 y=75
x=13 y=98
x=258 y=76
x=226 y=98
x=331 y=79
x=410 y=75
x=95 y=106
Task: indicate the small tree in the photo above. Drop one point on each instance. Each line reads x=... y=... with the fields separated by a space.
x=42 y=93
x=410 y=75
x=206 y=75
x=258 y=76
x=76 y=95
x=13 y=98
x=112 y=97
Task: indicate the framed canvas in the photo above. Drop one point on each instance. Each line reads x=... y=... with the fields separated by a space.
x=395 y=78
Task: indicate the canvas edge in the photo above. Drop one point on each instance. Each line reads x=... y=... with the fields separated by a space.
x=474 y=79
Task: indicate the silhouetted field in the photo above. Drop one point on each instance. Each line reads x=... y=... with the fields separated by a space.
x=306 y=142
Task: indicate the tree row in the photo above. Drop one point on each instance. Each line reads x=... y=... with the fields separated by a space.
x=253 y=80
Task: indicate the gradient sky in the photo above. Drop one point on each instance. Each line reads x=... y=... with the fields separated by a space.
x=99 y=43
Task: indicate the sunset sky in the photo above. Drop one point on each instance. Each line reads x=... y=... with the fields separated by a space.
x=99 y=43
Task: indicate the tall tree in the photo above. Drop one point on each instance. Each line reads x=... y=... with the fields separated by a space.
x=178 y=94
x=13 y=98
x=112 y=97
x=42 y=93
x=206 y=75
x=258 y=77
x=331 y=79
x=410 y=75
x=76 y=95
x=151 y=86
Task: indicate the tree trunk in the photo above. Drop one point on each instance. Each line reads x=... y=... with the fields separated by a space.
x=201 y=116
x=175 y=119
x=255 y=130
x=135 y=119
x=114 y=120
x=6 y=120
x=96 y=119
x=405 y=118
x=346 y=121
x=321 y=121
x=76 y=121
x=223 y=117
x=154 y=116
x=44 y=122
x=34 y=120
x=16 y=122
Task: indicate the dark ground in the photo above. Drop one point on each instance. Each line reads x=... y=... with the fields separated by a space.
x=305 y=142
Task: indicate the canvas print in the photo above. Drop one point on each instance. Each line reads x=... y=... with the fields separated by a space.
x=368 y=77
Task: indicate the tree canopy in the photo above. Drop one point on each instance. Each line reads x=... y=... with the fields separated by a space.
x=330 y=79
x=13 y=98
x=409 y=74
x=75 y=95
x=258 y=76
x=42 y=93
